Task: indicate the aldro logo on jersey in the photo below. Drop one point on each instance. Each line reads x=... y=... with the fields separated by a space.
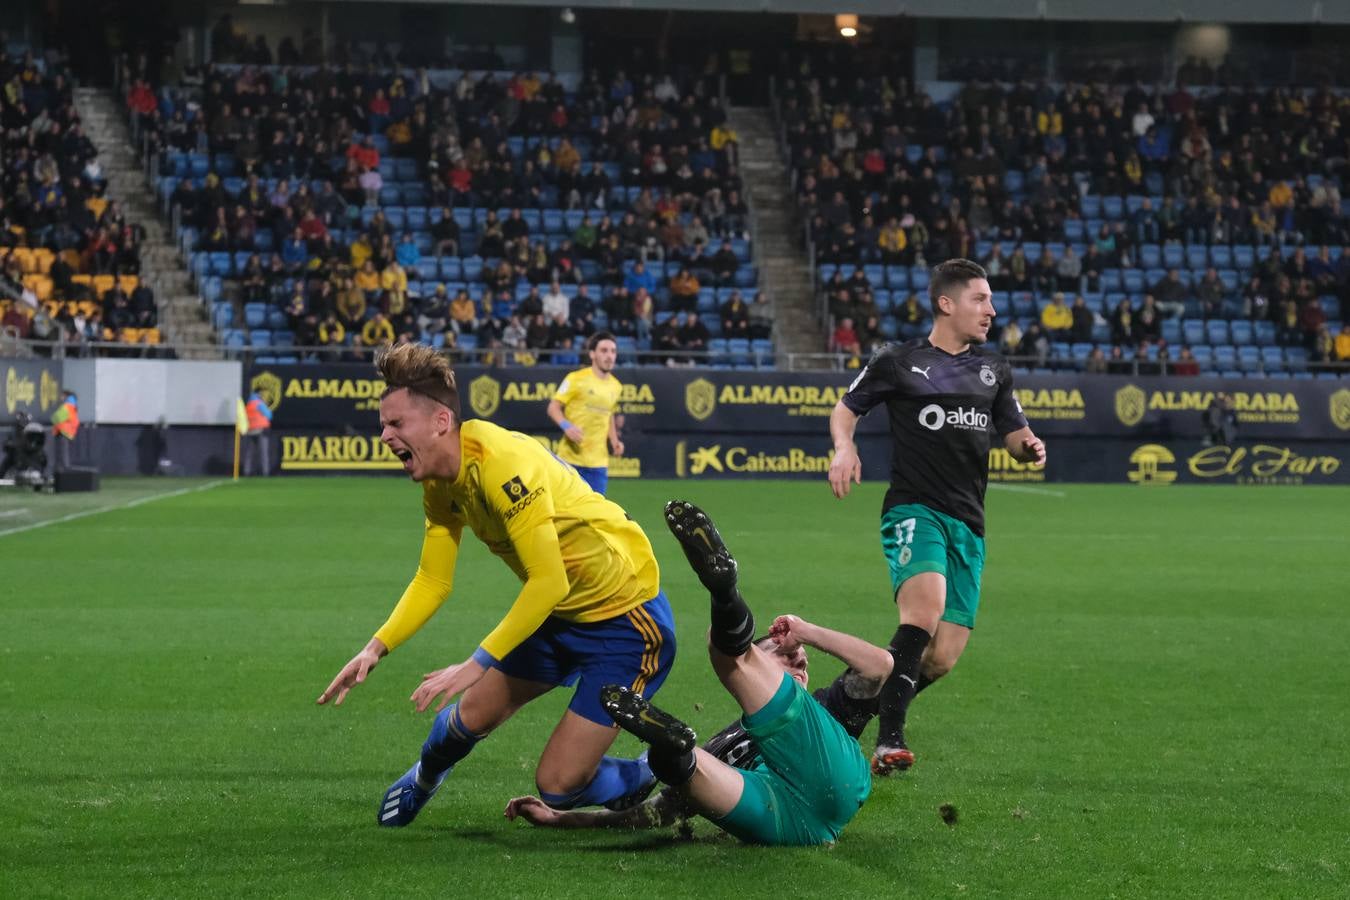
x=967 y=418
x=520 y=496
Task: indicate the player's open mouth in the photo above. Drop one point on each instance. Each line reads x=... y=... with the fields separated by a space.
x=405 y=457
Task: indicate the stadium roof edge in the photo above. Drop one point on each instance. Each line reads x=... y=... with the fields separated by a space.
x=1305 y=12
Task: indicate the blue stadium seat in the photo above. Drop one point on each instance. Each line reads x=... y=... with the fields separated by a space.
x=222 y=315
x=1091 y=208
x=918 y=278
x=1133 y=281
x=260 y=337
x=1193 y=331
x=897 y=278
x=1216 y=331
x=1112 y=282
x=1221 y=256
x=1113 y=208
x=1242 y=333
x=1244 y=257
x=1171 y=331
x=1197 y=256
x=1174 y=255
x=1150 y=256
x=1264 y=332
x=255 y=315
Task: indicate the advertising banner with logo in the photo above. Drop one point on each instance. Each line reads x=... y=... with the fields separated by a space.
x=767 y=456
x=694 y=401
x=30 y=385
x=1174 y=407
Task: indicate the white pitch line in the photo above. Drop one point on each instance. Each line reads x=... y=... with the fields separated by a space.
x=1026 y=489
x=116 y=506
x=12 y=513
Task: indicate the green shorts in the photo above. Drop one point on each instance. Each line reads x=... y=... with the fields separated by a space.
x=812 y=778
x=918 y=538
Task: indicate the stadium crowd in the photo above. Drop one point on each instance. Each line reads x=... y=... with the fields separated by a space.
x=344 y=206
x=69 y=259
x=1178 y=225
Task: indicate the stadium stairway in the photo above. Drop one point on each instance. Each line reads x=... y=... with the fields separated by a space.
x=784 y=272
x=182 y=316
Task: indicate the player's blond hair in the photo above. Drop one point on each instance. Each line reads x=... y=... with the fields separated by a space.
x=421 y=370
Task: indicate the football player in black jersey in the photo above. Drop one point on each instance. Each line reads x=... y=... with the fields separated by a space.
x=944 y=396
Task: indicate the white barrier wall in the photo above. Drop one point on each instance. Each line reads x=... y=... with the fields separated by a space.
x=143 y=391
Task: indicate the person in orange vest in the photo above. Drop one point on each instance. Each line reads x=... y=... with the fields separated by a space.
x=257 y=443
x=65 y=424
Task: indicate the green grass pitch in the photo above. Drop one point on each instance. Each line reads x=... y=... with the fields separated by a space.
x=1155 y=702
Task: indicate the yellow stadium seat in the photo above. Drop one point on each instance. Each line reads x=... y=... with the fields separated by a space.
x=82 y=279
x=72 y=258
x=39 y=284
x=43 y=259
x=128 y=283
x=24 y=257
x=151 y=336
x=87 y=307
x=103 y=284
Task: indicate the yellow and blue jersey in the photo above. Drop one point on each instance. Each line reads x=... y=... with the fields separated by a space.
x=588 y=402
x=580 y=557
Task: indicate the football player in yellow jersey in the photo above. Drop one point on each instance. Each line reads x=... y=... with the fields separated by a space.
x=590 y=610
x=583 y=408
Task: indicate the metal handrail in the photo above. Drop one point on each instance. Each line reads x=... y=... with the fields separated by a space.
x=524 y=359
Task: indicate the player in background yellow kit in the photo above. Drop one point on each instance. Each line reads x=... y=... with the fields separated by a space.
x=590 y=611
x=583 y=408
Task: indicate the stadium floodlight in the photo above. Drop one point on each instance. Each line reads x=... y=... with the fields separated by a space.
x=847 y=23
x=567 y=15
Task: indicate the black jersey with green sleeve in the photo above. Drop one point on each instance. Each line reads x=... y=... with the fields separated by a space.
x=942 y=408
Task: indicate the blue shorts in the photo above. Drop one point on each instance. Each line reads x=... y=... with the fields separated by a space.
x=597 y=478
x=635 y=649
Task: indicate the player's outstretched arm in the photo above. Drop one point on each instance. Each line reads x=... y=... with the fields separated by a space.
x=845 y=467
x=424 y=595
x=868 y=660
x=1024 y=446
x=354 y=672
x=657 y=812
